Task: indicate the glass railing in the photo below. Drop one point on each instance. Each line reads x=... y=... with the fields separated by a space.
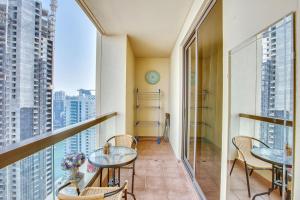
x=39 y=175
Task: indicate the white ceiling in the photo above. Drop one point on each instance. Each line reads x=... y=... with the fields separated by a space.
x=152 y=25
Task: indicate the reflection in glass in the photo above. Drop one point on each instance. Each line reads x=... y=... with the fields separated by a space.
x=209 y=110
x=276 y=80
x=262 y=80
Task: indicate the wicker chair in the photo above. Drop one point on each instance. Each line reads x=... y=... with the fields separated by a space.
x=127 y=141
x=244 y=144
x=95 y=193
x=124 y=141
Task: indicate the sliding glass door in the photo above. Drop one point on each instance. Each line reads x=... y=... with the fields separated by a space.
x=203 y=103
x=209 y=111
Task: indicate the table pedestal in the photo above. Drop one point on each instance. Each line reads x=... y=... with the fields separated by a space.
x=115 y=181
x=276 y=182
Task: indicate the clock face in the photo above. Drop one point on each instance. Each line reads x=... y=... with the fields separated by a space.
x=152 y=77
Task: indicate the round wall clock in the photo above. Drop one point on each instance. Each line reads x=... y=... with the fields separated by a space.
x=152 y=77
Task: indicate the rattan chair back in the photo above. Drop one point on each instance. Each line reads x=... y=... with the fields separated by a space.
x=123 y=140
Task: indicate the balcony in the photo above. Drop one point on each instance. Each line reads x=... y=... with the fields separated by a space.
x=186 y=78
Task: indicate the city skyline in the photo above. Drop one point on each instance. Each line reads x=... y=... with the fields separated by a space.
x=75 y=36
x=69 y=110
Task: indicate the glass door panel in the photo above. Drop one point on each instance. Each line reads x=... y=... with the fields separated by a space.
x=209 y=106
x=202 y=113
x=190 y=91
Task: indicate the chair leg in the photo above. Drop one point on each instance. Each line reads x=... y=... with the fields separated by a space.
x=279 y=177
x=133 y=168
x=133 y=174
x=247 y=177
x=108 y=175
x=251 y=171
x=100 y=182
x=232 y=166
x=119 y=177
x=125 y=194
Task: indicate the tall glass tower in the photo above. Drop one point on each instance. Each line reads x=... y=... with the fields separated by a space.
x=80 y=108
x=277 y=80
x=26 y=70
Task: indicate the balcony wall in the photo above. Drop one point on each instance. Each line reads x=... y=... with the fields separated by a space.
x=161 y=65
x=130 y=89
x=115 y=80
x=119 y=73
x=176 y=75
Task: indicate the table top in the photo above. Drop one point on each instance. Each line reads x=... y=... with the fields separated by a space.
x=118 y=156
x=273 y=156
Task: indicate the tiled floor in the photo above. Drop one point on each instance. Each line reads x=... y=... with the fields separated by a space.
x=159 y=176
x=238 y=186
x=208 y=168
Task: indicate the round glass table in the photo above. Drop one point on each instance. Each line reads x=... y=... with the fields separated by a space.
x=273 y=156
x=278 y=159
x=118 y=156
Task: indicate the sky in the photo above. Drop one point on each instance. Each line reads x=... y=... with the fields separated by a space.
x=75 y=48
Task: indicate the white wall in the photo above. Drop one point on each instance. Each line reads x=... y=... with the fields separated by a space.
x=241 y=20
x=176 y=75
x=113 y=78
x=115 y=83
x=243 y=92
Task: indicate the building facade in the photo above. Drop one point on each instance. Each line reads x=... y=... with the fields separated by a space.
x=26 y=70
x=69 y=110
x=277 y=83
x=80 y=108
x=59 y=116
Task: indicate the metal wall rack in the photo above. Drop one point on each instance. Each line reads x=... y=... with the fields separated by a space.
x=146 y=101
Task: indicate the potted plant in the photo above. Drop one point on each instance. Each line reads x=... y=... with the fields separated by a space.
x=72 y=162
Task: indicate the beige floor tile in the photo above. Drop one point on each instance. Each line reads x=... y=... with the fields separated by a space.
x=175 y=172
x=175 y=195
x=153 y=182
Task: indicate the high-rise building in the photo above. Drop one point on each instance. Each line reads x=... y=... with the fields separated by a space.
x=80 y=108
x=69 y=110
x=277 y=81
x=59 y=99
x=26 y=66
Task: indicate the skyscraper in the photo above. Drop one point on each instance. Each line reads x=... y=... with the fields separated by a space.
x=80 y=108
x=69 y=110
x=26 y=65
x=277 y=80
x=59 y=118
